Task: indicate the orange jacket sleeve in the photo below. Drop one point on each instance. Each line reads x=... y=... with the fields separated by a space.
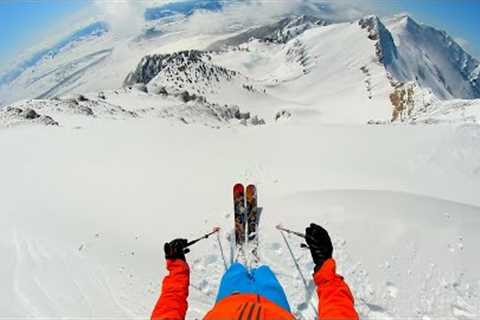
x=335 y=299
x=172 y=304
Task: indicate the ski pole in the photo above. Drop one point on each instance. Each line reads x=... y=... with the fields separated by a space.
x=215 y=230
x=221 y=251
x=301 y=235
x=294 y=260
x=298 y=234
x=297 y=266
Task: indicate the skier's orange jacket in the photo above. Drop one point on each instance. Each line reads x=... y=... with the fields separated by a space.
x=336 y=300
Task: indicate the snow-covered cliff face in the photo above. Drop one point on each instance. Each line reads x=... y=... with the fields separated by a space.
x=414 y=52
x=386 y=50
x=433 y=59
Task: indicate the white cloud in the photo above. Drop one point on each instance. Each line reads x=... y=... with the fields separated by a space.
x=126 y=16
x=338 y=10
x=246 y=13
x=258 y=12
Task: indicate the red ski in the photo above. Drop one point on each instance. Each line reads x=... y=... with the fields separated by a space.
x=239 y=212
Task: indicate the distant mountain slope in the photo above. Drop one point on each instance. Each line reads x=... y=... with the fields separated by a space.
x=433 y=59
x=96 y=29
x=281 y=31
x=345 y=72
x=365 y=71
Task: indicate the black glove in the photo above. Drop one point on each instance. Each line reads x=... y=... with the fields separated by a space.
x=176 y=249
x=320 y=245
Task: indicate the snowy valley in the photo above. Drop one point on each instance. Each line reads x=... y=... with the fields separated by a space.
x=111 y=145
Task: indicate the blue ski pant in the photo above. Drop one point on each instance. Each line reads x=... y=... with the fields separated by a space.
x=259 y=281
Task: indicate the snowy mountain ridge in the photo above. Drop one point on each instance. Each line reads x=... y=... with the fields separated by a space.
x=407 y=51
x=281 y=32
x=295 y=58
x=126 y=104
x=433 y=59
x=386 y=50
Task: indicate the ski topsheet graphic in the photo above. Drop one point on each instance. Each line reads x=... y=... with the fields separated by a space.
x=252 y=221
x=239 y=213
x=246 y=224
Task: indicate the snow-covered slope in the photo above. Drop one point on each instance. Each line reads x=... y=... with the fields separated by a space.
x=340 y=72
x=130 y=103
x=309 y=75
x=86 y=211
x=433 y=59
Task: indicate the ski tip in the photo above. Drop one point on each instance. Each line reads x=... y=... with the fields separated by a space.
x=251 y=191
x=279 y=226
x=216 y=229
x=238 y=187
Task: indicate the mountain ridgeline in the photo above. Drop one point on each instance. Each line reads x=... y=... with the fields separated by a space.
x=393 y=68
x=433 y=59
x=279 y=32
x=409 y=52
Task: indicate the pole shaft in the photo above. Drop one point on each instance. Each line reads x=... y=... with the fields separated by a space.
x=221 y=252
x=215 y=230
x=297 y=266
x=301 y=235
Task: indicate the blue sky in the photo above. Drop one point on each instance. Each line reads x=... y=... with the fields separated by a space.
x=24 y=21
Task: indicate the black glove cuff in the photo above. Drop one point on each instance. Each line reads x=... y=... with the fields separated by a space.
x=318 y=266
